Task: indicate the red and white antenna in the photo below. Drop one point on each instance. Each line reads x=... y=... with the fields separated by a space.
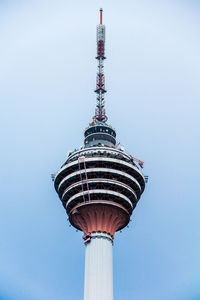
x=100 y=115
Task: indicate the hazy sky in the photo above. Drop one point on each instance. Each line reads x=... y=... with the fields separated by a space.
x=47 y=78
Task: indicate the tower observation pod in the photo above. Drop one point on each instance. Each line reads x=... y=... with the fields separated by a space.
x=99 y=186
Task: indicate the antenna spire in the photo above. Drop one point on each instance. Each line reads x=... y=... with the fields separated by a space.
x=100 y=115
x=101 y=15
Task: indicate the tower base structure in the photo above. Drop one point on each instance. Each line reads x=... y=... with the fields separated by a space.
x=99 y=220
x=99 y=267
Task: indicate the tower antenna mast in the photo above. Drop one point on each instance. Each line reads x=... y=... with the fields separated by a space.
x=100 y=114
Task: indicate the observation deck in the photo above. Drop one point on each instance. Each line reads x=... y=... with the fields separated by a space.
x=99 y=185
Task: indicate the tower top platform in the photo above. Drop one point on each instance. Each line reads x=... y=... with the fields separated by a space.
x=99 y=133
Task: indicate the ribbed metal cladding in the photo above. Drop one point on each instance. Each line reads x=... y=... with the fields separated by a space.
x=99 y=174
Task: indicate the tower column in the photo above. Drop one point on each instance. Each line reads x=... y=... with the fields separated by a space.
x=99 y=267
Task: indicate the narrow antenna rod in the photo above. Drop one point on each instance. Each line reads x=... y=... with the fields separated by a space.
x=101 y=15
x=100 y=115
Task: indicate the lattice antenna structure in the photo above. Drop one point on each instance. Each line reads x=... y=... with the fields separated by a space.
x=100 y=114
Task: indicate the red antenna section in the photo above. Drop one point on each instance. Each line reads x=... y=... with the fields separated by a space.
x=101 y=15
x=100 y=115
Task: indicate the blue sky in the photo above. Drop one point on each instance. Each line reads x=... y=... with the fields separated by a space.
x=47 y=78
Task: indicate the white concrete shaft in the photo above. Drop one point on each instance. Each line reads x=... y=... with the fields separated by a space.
x=99 y=268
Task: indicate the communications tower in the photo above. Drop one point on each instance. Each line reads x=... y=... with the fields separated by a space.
x=99 y=186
